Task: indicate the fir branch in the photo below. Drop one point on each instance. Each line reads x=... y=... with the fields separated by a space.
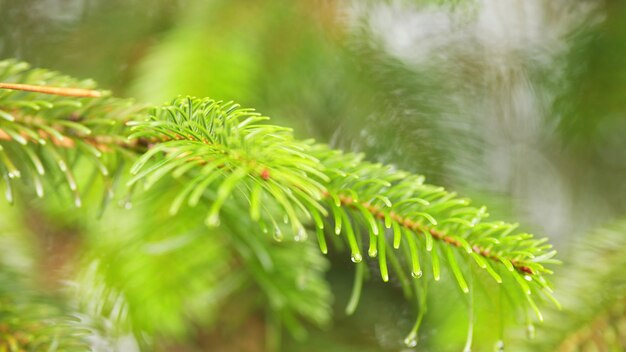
x=593 y=294
x=31 y=320
x=393 y=196
x=229 y=156
x=43 y=135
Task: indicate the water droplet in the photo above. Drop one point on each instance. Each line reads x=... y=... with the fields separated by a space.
x=9 y=195
x=530 y=331
x=278 y=235
x=356 y=258
x=301 y=235
x=411 y=340
x=39 y=189
x=528 y=278
x=416 y=274
x=372 y=252
x=499 y=347
x=213 y=220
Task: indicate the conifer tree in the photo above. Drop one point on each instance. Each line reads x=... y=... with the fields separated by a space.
x=223 y=192
x=201 y=225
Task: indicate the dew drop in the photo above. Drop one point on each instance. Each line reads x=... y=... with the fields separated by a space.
x=213 y=220
x=499 y=347
x=301 y=235
x=372 y=252
x=416 y=274
x=356 y=258
x=278 y=235
x=411 y=340
x=39 y=189
x=9 y=195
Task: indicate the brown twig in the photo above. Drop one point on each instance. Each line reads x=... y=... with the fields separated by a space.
x=67 y=92
x=438 y=235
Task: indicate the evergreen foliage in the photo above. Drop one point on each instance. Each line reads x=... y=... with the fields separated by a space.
x=198 y=161
x=593 y=297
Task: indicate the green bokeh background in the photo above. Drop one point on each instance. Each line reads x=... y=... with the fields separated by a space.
x=521 y=107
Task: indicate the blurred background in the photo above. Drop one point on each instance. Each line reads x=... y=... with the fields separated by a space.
x=519 y=105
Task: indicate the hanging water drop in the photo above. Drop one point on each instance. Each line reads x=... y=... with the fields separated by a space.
x=416 y=274
x=372 y=252
x=213 y=220
x=9 y=191
x=499 y=347
x=411 y=340
x=72 y=184
x=38 y=189
x=62 y=166
x=356 y=258
x=301 y=235
x=278 y=234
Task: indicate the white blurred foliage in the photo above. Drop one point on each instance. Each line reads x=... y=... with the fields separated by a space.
x=496 y=55
x=65 y=11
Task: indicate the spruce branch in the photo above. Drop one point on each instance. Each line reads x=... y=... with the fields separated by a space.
x=227 y=156
x=593 y=295
x=33 y=321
